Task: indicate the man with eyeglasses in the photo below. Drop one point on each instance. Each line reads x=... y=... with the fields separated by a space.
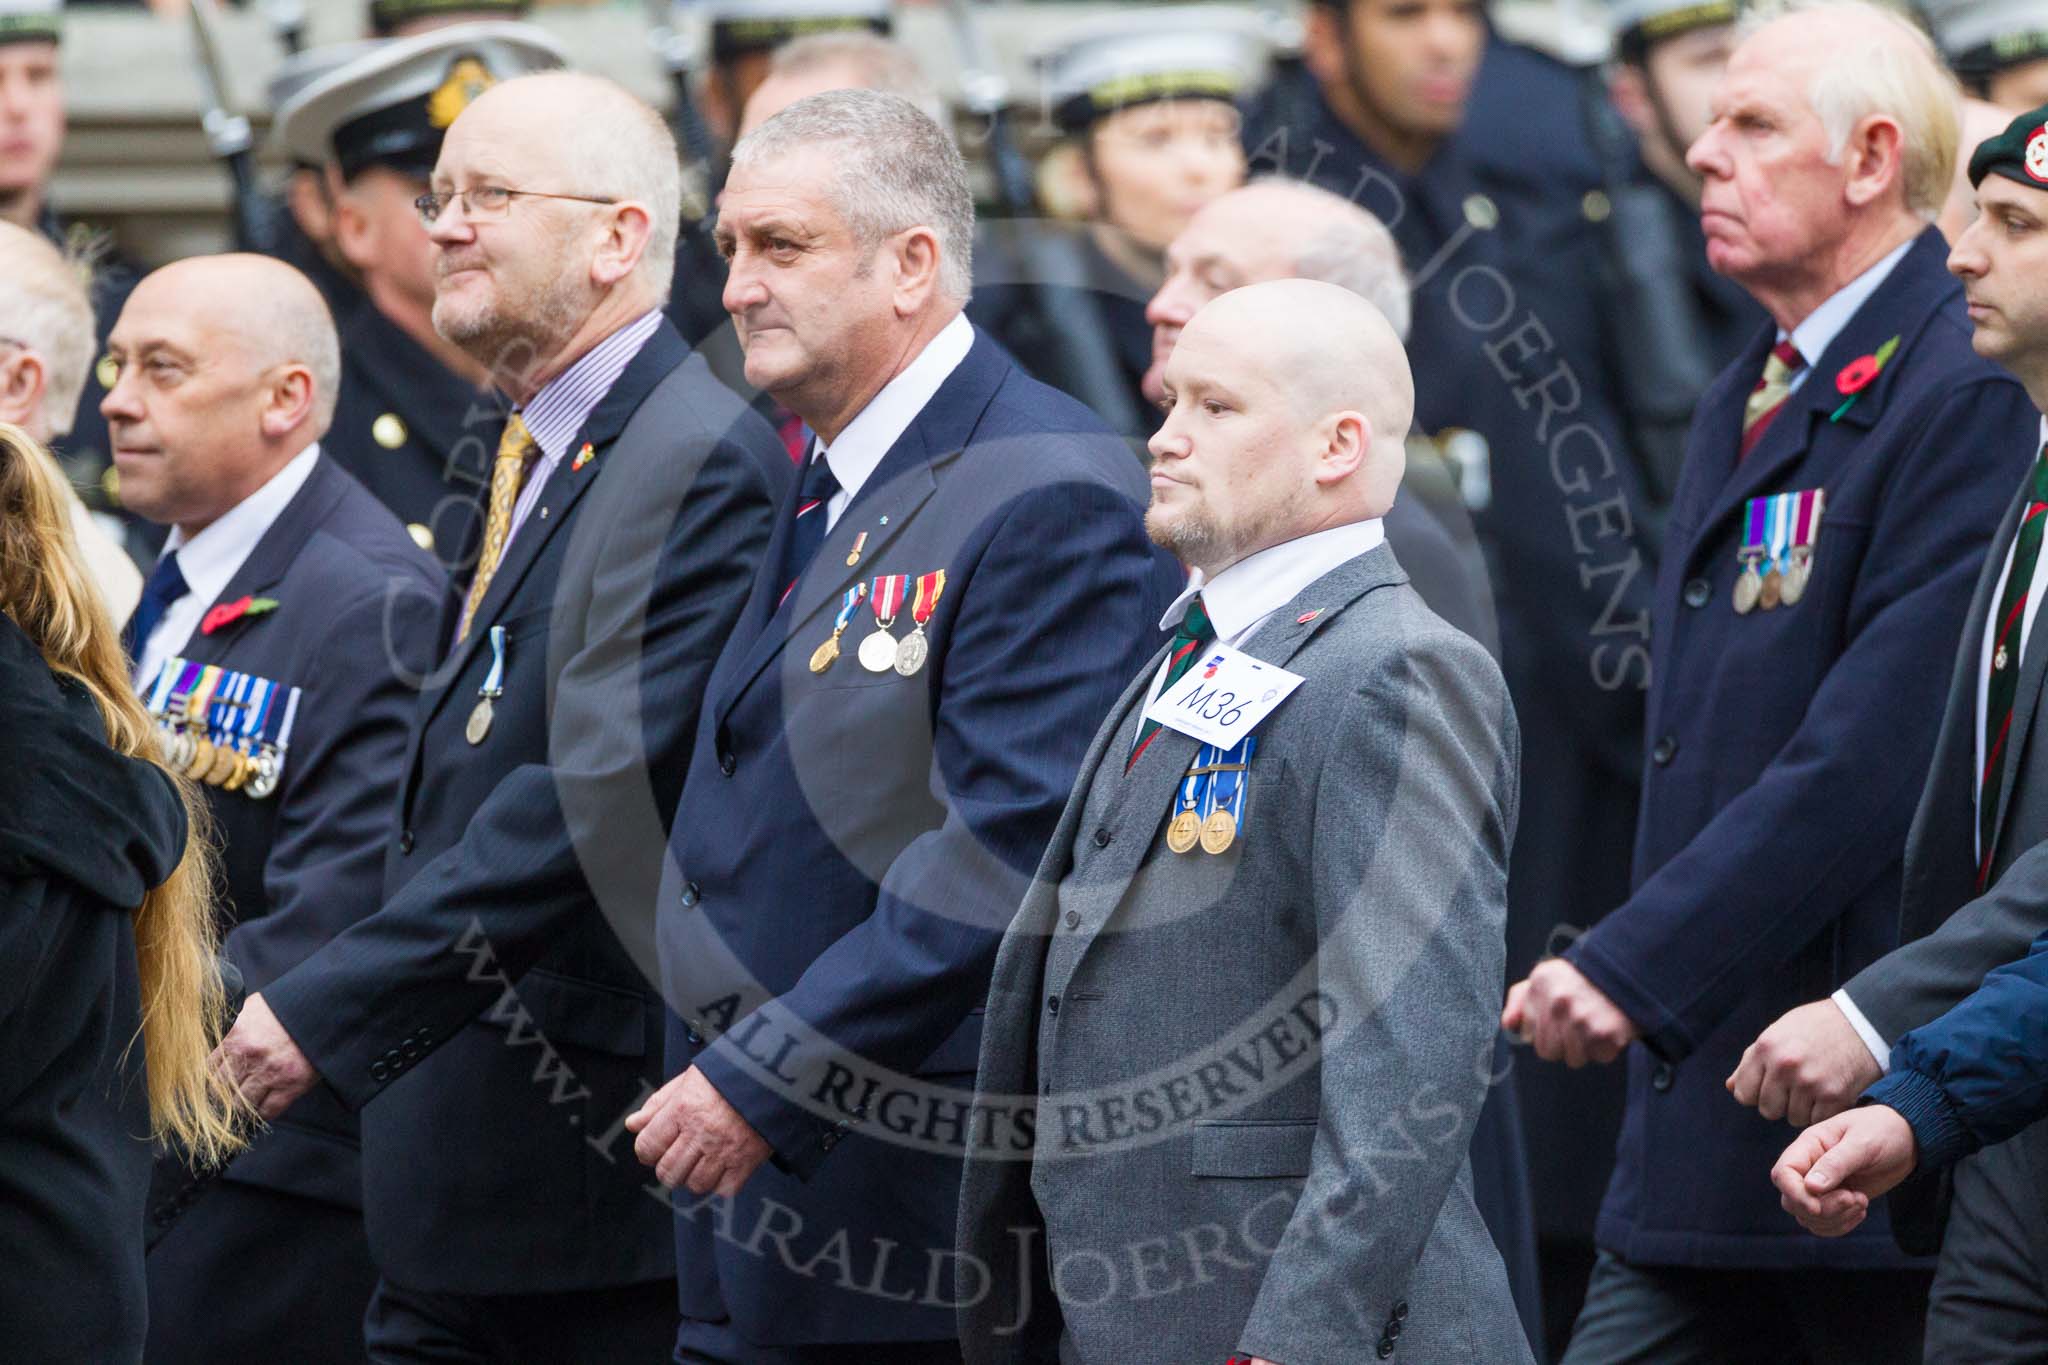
x=629 y=505
x=417 y=415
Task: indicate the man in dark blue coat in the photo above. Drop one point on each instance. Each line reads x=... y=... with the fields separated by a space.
x=491 y=1021
x=1973 y=896
x=1842 y=479
x=226 y=374
x=947 y=606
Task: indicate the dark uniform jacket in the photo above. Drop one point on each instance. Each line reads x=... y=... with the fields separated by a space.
x=851 y=844
x=84 y=834
x=359 y=608
x=1789 y=750
x=492 y=1021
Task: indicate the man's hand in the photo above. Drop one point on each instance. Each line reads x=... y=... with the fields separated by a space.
x=1809 y=1066
x=1566 y=1016
x=260 y=1059
x=1828 y=1176
x=692 y=1137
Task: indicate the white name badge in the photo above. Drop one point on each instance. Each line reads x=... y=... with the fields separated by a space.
x=1223 y=697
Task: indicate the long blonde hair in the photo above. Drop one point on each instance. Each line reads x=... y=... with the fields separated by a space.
x=44 y=590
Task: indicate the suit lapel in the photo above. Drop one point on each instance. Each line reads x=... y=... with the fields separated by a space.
x=1900 y=307
x=657 y=359
x=1151 y=789
x=268 y=563
x=901 y=484
x=2027 y=693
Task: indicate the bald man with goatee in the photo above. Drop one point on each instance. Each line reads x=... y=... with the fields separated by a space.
x=1266 y=939
x=282 y=625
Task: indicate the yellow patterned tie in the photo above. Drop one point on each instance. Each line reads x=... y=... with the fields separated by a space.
x=1781 y=367
x=516 y=450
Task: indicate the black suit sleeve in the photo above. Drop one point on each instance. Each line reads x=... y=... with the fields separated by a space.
x=664 y=556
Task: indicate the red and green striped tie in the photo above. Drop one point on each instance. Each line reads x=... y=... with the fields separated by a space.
x=1194 y=631
x=2005 y=661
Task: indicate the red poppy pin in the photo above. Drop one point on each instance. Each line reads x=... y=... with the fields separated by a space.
x=583 y=457
x=1856 y=376
x=227 y=613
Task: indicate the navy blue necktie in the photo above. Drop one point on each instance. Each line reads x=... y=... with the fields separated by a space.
x=808 y=534
x=166 y=585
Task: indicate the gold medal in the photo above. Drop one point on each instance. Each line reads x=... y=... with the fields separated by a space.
x=389 y=431
x=1219 y=831
x=825 y=655
x=222 y=767
x=202 y=757
x=1747 y=586
x=912 y=652
x=240 y=776
x=479 y=721
x=1772 y=592
x=878 y=652
x=1184 y=831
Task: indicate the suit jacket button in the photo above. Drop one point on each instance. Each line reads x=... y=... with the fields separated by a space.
x=696 y=1038
x=1393 y=1331
x=1661 y=1078
x=1401 y=1311
x=1052 y=1004
x=1386 y=1348
x=1102 y=838
x=727 y=764
x=379 y=1071
x=1698 y=592
x=405 y=842
x=690 y=894
x=1666 y=750
x=1073 y=919
x=411 y=1050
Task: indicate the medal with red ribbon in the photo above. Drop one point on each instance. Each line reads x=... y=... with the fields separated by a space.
x=915 y=649
x=878 y=651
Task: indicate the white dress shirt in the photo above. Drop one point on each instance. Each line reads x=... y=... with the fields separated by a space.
x=209 y=559
x=868 y=437
x=1239 y=599
x=1812 y=337
x=1872 y=1039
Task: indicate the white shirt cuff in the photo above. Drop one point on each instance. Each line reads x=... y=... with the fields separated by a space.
x=1872 y=1039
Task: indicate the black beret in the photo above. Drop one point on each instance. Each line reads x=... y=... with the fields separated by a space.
x=2019 y=153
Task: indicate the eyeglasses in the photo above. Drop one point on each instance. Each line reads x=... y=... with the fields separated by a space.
x=489 y=203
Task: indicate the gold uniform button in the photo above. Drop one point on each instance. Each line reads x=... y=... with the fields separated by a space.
x=421 y=536
x=1481 y=212
x=1596 y=206
x=107 y=371
x=389 y=431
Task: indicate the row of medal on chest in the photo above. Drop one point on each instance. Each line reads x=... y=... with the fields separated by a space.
x=881 y=651
x=1779 y=532
x=227 y=729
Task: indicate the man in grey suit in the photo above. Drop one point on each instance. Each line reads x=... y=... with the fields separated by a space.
x=1247 y=1008
x=1975 y=893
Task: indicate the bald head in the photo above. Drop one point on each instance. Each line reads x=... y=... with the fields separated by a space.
x=1290 y=404
x=265 y=311
x=575 y=133
x=228 y=367
x=46 y=318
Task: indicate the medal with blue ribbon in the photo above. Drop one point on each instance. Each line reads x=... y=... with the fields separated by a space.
x=1212 y=800
x=493 y=688
x=1777 y=546
x=825 y=655
x=276 y=738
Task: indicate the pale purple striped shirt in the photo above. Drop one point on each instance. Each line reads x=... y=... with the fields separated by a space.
x=558 y=412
